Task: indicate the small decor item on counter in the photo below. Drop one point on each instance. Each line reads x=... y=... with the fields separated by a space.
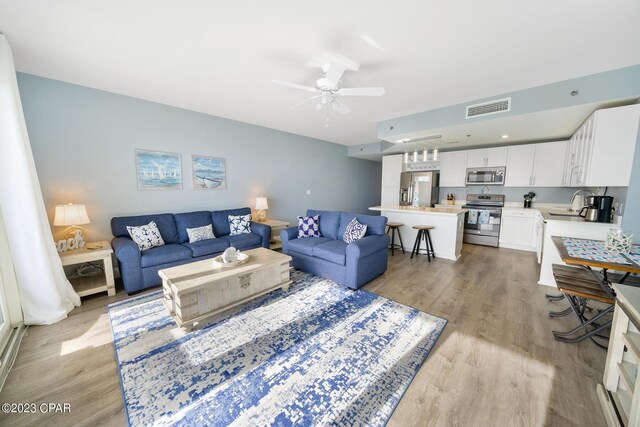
x=528 y=198
x=451 y=200
x=618 y=242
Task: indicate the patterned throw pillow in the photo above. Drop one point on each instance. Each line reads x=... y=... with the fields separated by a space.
x=355 y=231
x=146 y=236
x=239 y=224
x=200 y=233
x=308 y=226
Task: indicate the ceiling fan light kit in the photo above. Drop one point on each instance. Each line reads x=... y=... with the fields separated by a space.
x=327 y=92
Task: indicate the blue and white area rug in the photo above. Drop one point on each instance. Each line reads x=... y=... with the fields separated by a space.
x=319 y=354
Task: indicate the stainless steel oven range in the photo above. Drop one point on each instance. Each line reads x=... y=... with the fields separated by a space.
x=482 y=220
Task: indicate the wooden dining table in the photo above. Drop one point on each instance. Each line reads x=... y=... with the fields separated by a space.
x=593 y=254
x=579 y=285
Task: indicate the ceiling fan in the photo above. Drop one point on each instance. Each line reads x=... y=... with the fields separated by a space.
x=326 y=90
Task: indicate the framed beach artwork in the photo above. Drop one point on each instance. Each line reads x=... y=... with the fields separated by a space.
x=157 y=170
x=208 y=173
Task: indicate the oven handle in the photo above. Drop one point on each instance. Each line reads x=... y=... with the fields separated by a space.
x=494 y=210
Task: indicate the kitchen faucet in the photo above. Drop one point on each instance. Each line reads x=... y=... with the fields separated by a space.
x=580 y=191
x=577 y=200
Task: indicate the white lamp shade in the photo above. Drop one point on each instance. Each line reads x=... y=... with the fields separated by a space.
x=261 y=203
x=71 y=215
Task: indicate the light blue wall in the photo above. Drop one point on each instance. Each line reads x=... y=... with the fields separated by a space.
x=83 y=142
x=608 y=86
x=631 y=218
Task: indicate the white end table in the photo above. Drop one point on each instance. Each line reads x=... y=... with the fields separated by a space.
x=91 y=252
x=276 y=225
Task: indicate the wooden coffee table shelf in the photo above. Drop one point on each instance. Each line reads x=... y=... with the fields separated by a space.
x=195 y=291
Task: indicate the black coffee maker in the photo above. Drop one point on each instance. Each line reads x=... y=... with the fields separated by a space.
x=605 y=209
x=528 y=198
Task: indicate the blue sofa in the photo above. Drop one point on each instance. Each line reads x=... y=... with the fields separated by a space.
x=352 y=264
x=139 y=270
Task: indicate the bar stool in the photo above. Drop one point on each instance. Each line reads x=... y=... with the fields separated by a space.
x=394 y=228
x=423 y=233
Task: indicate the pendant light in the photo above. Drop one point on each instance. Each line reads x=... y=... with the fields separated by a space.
x=435 y=154
x=415 y=155
x=425 y=155
x=406 y=157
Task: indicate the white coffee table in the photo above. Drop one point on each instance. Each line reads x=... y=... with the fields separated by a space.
x=195 y=291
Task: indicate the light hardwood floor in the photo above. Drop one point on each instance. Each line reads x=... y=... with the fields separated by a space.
x=496 y=364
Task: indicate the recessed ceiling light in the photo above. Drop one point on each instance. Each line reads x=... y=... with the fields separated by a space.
x=505 y=136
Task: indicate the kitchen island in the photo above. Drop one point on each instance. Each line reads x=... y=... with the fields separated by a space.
x=447 y=232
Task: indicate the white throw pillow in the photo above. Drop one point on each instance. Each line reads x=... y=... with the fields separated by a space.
x=146 y=236
x=200 y=233
x=239 y=224
x=354 y=231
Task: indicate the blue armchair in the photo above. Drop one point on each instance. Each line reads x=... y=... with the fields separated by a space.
x=352 y=264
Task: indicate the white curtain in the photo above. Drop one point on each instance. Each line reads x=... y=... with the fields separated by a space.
x=46 y=295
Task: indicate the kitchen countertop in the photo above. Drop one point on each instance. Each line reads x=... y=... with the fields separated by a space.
x=419 y=210
x=545 y=210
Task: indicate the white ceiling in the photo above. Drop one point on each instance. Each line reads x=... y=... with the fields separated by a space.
x=218 y=58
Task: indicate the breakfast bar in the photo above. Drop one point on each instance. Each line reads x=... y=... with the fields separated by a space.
x=447 y=232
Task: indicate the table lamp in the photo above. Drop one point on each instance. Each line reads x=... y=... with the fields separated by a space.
x=71 y=216
x=261 y=206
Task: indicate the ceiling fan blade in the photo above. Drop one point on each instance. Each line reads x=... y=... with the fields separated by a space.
x=361 y=91
x=340 y=107
x=294 y=86
x=305 y=100
x=335 y=71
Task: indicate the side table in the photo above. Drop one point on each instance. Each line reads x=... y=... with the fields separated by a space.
x=276 y=225
x=91 y=252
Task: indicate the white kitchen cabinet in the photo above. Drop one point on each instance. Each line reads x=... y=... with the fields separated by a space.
x=390 y=196
x=517 y=229
x=391 y=170
x=453 y=168
x=487 y=157
x=476 y=158
x=496 y=156
x=538 y=234
x=520 y=160
x=548 y=169
x=602 y=149
x=536 y=165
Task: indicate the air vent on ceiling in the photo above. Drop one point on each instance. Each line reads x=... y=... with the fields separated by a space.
x=491 y=107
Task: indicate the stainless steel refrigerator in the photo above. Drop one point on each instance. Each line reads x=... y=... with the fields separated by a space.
x=419 y=188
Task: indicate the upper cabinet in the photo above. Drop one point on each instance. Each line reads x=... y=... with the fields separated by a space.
x=520 y=159
x=453 y=167
x=487 y=157
x=600 y=153
x=548 y=168
x=539 y=165
x=391 y=170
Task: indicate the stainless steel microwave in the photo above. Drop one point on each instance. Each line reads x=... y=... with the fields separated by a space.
x=486 y=176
